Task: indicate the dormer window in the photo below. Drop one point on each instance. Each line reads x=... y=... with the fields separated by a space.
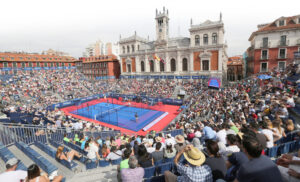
x=281 y=22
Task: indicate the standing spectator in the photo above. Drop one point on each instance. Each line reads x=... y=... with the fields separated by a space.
x=157 y=155
x=133 y=173
x=180 y=143
x=169 y=151
x=259 y=168
x=144 y=158
x=214 y=159
x=11 y=174
x=194 y=171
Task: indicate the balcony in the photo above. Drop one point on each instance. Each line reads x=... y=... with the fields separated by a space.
x=264 y=57
x=265 y=44
x=283 y=43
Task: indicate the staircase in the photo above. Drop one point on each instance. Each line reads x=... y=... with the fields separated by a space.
x=176 y=91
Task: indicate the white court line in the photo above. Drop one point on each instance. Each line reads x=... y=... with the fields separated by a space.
x=147 y=127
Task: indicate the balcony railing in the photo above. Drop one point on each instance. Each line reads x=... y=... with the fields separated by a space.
x=264 y=57
x=265 y=44
x=283 y=43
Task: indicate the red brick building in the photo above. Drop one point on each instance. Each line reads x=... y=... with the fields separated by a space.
x=11 y=62
x=101 y=67
x=235 y=69
x=273 y=45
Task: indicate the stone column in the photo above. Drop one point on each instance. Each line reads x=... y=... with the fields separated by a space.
x=167 y=63
x=179 y=63
x=191 y=62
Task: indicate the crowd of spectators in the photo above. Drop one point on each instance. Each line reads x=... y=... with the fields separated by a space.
x=226 y=131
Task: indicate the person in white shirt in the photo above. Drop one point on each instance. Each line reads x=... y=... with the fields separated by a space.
x=92 y=151
x=232 y=147
x=170 y=139
x=11 y=174
x=221 y=135
x=268 y=133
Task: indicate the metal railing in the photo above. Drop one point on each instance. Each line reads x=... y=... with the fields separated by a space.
x=12 y=133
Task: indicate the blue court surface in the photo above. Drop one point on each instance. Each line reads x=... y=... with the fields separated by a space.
x=122 y=116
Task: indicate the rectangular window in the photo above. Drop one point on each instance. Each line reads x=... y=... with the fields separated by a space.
x=12 y=58
x=30 y=64
x=281 y=23
x=23 y=65
x=5 y=65
x=282 y=54
x=265 y=42
x=264 y=54
x=14 y=65
x=281 y=65
x=263 y=67
x=57 y=64
x=298 y=49
x=37 y=64
x=20 y=58
x=205 y=65
x=69 y=64
x=51 y=64
x=299 y=20
x=45 y=64
x=283 y=40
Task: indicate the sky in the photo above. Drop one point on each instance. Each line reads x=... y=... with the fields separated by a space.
x=71 y=25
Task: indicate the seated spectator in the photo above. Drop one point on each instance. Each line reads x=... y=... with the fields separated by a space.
x=66 y=139
x=76 y=139
x=232 y=145
x=193 y=170
x=159 y=140
x=34 y=175
x=11 y=173
x=144 y=158
x=278 y=131
x=99 y=141
x=114 y=153
x=268 y=133
x=124 y=163
x=288 y=166
x=214 y=159
x=259 y=168
x=180 y=143
x=92 y=151
x=171 y=139
x=290 y=126
x=196 y=143
x=104 y=151
x=169 y=151
x=133 y=173
x=157 y=155
x=68 y=156
x=208 y=133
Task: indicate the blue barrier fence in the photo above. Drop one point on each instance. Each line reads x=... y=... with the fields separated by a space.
x=177 y=102
x=163 y=77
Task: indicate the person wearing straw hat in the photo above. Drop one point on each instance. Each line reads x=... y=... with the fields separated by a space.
x=194 y=170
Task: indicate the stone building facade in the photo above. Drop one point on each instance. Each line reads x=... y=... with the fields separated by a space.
x=203 y=53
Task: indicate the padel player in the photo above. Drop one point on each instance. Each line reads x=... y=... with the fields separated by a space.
x=136 y=117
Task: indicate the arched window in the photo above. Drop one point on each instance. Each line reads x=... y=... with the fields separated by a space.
x=205 y=39
x=151 y=65
x=132 y=48
x=162 y=66
x=197 y=40
x=142 y=66
x=214 y=38
x=173 y=65
x=128 y=49
x=184 y=64
x=123 y=49
x=138 y=47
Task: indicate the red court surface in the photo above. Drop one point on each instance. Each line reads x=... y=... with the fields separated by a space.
x=171 y=109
